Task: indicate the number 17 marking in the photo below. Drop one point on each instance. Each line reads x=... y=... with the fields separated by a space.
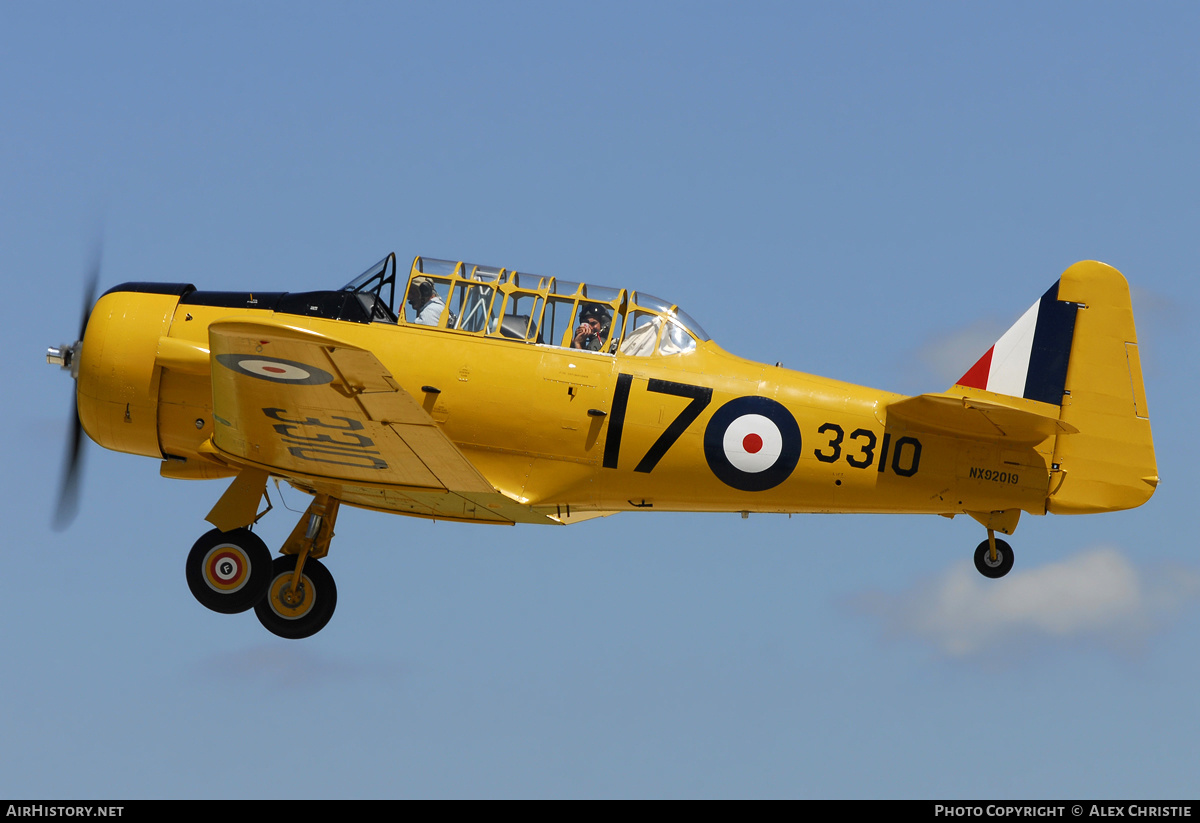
x=701 y=396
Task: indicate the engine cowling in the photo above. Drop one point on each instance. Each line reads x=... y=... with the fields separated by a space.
x=118 y=379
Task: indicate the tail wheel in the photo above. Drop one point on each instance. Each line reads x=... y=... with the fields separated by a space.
x=229 y=572
x=1001 y=566
x=301 y=613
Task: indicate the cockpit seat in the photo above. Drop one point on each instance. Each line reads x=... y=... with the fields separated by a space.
x=516 y=326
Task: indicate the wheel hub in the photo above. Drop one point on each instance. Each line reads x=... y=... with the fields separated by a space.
x=290 y=597
x=226 y=569
x=290 y=603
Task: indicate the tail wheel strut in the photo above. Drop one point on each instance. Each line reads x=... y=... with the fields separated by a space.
x=993 y=557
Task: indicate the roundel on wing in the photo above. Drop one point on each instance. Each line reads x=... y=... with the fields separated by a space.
x=752 y=443
x=275 y=369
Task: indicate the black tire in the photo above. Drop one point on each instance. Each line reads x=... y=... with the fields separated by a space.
x=311 y=613
x=983 y=559
x=229 y=572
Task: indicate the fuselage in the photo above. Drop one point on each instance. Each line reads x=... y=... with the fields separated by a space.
x=554 y=427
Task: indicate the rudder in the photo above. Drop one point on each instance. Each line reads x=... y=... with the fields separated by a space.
x=1110 y=463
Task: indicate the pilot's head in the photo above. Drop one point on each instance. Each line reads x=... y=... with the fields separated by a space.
x=595 y=316
x=420 y=292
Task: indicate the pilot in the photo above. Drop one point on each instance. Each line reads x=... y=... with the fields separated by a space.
x=593 y=328
x=425 y=301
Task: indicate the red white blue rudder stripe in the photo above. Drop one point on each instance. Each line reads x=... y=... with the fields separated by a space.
x=1030 y=359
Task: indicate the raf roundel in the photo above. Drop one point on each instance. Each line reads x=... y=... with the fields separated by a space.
x=752 y=444
x=275 y=369
x=226 y=569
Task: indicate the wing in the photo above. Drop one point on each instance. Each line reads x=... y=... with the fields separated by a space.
x=328 y=416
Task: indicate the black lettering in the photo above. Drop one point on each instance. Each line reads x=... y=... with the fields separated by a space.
x=834 y=443
x=914 y=460
x=358 y=460
x=361 y=441
x=868 y=453
x=277 y=414
x=976 y=473
x=329 y=447
x=701 y=396
x=616 y=420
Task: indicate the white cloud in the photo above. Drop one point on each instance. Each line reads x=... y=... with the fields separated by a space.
x=1094 y=595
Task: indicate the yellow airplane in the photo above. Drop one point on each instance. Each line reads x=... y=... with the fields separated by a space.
x=497 y=396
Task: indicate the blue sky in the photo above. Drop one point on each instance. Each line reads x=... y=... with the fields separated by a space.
x=866 y=191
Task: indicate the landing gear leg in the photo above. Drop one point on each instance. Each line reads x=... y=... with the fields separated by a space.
x=302 y=596
x=993 y=558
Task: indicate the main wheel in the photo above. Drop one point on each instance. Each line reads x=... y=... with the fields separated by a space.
x=302 y=613
x=229 y=572
x=1004 y=559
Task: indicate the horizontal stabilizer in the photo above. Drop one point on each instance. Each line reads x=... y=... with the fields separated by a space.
x=1024 y=421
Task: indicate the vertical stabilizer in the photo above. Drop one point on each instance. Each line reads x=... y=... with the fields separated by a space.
x=1076 y=349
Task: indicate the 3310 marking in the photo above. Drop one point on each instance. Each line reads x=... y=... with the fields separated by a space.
x=906 y=456
x=345 y=447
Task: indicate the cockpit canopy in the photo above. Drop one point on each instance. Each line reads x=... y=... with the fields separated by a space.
x=497 y=302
